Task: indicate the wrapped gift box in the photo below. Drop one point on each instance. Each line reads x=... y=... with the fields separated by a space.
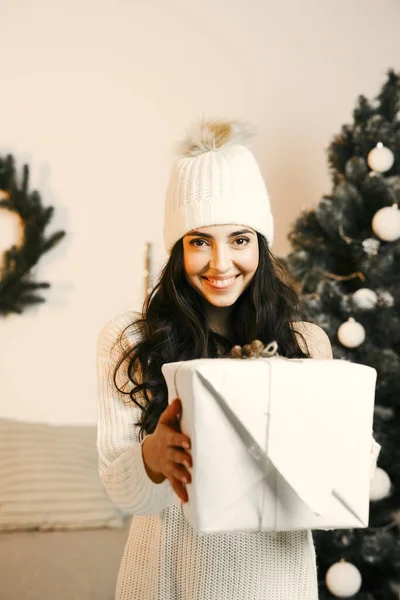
x=278 y=444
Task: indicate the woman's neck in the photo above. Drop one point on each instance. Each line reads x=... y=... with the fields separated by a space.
x=219 y=320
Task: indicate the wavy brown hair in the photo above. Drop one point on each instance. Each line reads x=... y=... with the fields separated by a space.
x=174 y=328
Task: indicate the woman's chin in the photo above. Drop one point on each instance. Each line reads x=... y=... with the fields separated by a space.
x=221 y=301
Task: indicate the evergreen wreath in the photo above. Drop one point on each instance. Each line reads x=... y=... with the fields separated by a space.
x=17 y=288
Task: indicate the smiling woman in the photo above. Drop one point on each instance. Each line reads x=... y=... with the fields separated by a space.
x=220 y=262
x=220 y=287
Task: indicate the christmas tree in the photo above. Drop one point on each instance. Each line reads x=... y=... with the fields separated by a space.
x=345 y=261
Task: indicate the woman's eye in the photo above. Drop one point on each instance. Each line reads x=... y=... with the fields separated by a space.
x=197 y=243
x=200 y=243
x=242 y=241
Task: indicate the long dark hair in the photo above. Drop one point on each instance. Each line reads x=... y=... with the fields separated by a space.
x=174 y=328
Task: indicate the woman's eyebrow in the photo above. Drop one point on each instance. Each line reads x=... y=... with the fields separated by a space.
x=207 y=235
x=241 y=232
x=199 y=234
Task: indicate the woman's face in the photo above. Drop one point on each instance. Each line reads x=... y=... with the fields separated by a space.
x=220 y=261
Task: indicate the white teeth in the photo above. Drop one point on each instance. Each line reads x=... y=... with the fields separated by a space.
x=221 y=283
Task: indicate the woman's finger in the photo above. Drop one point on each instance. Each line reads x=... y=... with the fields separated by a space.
x=171 y=413
x=181 y=457
x=179 y=472
x=179 y=489
x=179 y=440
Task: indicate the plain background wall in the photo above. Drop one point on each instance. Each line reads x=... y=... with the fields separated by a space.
x=94 y=96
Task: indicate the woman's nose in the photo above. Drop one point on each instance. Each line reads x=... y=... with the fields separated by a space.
x=220 y=259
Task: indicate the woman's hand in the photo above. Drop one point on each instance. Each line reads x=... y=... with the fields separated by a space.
x=165 y=452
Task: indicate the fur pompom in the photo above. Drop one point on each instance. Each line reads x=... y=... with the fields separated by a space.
x=213 y=135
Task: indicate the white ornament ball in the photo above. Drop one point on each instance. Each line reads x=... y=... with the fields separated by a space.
x=365 y=298
x=386 y=223
x=343 y=579
x=380 y=485
x=380 y=158
x=351 y=333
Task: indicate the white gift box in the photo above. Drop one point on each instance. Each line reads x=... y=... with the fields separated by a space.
x=278 y=444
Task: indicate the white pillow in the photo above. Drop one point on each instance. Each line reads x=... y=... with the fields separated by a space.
x=49 y=479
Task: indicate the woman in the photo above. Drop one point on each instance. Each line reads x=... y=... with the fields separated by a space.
x=220 y=287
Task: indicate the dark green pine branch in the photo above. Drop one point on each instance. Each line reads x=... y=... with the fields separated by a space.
x=16 y=285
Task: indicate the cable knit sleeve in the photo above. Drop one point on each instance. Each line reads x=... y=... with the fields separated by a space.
x=121 y=466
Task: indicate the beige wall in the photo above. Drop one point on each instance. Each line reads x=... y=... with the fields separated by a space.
x=93 y=96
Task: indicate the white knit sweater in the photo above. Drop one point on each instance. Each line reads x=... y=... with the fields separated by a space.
x=164 y=558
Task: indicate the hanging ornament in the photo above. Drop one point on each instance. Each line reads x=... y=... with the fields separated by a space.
x=386 y=223
x=343 y=579
x=380 y=485
x=365 y=299
x=351 y=333
x=380 y=158
x=371 y=246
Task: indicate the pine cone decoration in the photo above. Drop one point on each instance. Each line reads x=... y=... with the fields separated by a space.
x=236 y=352
x=255 y=349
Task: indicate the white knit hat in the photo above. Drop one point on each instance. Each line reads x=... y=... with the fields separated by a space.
x=216 y=181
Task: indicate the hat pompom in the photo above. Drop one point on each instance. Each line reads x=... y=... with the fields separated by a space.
x=213 y=135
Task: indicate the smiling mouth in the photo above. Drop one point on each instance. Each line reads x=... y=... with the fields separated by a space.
x=221 y=283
